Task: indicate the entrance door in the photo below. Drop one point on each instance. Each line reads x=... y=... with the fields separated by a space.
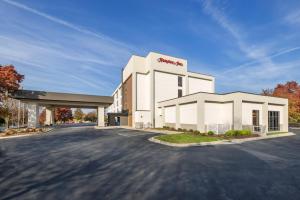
x=274 y=121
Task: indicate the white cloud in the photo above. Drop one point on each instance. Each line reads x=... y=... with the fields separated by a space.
x=261 y=70
x=293 y=18
x=50 y=50
x=64 y=23
x=285 y=51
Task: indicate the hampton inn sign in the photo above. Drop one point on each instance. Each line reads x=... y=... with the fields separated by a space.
x=177 y=63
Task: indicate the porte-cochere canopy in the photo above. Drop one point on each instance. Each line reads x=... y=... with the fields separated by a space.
x=34 y=99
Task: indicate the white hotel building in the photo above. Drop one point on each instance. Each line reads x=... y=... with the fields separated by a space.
x=158 y=90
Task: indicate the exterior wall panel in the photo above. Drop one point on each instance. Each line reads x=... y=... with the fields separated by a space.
x=218 y=113
x=170 y=115
x=247 y=109
x=200 y=85
x=188 y=113
x=165 y=87
x=143 y=91
x=143 y=117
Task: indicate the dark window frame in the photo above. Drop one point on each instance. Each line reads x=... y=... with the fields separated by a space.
x=180 y=81
x=274 y=120
x=179 y=93
x=255 y=117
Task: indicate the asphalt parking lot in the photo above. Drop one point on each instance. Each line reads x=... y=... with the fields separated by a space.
x=83 y=163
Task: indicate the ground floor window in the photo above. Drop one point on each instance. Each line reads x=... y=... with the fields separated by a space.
x=274 y=119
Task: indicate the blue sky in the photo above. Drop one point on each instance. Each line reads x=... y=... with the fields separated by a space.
x=80 y=46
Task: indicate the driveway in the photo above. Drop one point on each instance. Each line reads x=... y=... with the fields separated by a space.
x=83 y=163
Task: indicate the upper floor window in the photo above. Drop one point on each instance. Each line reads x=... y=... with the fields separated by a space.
x=179 y=81
x=179 y=93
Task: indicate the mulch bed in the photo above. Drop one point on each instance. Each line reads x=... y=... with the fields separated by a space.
x=25 y=131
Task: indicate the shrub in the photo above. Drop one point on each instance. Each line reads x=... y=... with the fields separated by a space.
x=166 y=127
x=172 y=129
x=191 y=130
x=196 y=132
x=230 y=133
x=210 y=133
x=184 y=130
x=234 y=133
x=245 y=132
x=180 y=129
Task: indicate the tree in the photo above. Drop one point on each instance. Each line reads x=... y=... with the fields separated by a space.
x=78 y=114
x=10 y=81
x=290 y=90
x=42 y=117
x=63 y=114
x=91 y=116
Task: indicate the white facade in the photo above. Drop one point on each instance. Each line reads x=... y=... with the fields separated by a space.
x=188 y=113
x=170 y=114
x=164 y=92
x=218 y=113
x=222 y=112
x=247 y=109
x=143 y=92
x=154 y=79
x=116 y=107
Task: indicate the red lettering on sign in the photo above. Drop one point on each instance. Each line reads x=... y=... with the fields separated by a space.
x=177 y=63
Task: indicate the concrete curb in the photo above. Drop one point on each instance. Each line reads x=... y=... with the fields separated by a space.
x=296 y=128
x=222 y=142
x=25 y=135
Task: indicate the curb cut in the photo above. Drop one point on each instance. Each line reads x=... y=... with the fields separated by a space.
x=222 y=142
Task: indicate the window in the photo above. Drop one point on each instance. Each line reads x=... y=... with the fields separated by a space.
x=255 y=120
x=255 y=117
x=274 y=119
x=179 y=92
x=179 y=81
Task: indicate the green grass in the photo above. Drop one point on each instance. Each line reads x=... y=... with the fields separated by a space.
x=186 y=138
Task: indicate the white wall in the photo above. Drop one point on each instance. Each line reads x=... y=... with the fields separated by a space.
x=247 y=109
x=135 y=64
x=143 y=91
x=200 y=85
x=142 y=116
x=170 y=114
x=277 y=108
x=166 y=86
x=117 y=104
x=218 y=113
x=188 y=113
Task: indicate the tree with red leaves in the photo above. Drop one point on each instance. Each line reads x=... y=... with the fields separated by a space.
x=91 y=116
x=42 y=117
x=290 y=90
x=63 y=114
x=10 y=81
